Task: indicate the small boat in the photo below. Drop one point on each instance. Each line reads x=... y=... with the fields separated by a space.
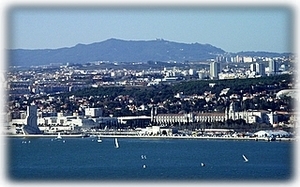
x=116 y=143
x=272 y=138
x=58 y=136
x=245 y=158
x=202 y=164
x=99 y=139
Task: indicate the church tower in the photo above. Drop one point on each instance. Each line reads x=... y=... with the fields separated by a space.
x=232 y=110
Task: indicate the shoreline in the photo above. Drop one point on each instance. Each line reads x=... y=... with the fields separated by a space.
x=150 y=137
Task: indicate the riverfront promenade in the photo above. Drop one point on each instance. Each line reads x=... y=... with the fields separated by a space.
x=152 y=137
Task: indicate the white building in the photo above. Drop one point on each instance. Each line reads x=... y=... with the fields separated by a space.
x=191 y=72
x=260 y=69
x=247 y=59
x=273 y=67
x=229 y=75
x=287 y=92
x=93 y=112
x=215 y=69
x=269 y=133
x=157 y=130
x=27 y=125
x=209 y=117
x=251 y=116
x=173 y=118
x=34 y=123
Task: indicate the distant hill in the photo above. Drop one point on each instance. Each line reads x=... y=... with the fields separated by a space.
x=115 y=50
x=262 y=54
x=121 y=51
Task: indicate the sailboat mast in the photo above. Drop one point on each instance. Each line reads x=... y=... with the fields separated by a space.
x=116 y=143
x=245 y=158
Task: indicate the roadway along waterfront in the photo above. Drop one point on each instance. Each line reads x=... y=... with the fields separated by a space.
x=150 y=137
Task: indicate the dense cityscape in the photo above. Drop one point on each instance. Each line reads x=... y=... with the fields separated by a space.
x=191 y=94
x=223 y=96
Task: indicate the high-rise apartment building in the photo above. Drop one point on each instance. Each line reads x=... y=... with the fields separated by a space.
x=215 y=69
x=273 y=67
x=258 y=68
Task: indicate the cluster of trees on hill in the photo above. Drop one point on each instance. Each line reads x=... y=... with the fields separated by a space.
x=163 y=92
x=108 y=97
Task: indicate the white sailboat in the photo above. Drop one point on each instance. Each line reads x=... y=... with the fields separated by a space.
x=59 y=136
x=116 y=143
x=245 y=158
x=99 y=139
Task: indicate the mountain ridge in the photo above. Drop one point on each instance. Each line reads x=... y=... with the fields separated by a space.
x=116 y=50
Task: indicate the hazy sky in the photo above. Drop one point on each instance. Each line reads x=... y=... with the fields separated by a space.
x=233 y=29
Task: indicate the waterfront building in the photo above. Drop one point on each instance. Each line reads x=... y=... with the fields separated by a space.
x=232 y=112
x=269 y=133
x=156 y=130
x=251 y=116
x=136 y=121
x=173 y=118
x=35 y=123
x=188 y=118
x=27 y=125
x=208 y=117
x=31 y=126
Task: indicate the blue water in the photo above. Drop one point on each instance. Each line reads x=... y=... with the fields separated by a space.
x=78 y=159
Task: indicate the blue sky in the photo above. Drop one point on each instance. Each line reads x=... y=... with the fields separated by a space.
x=234 y=29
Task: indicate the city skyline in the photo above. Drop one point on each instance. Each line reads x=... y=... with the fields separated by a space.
x=231 y=28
